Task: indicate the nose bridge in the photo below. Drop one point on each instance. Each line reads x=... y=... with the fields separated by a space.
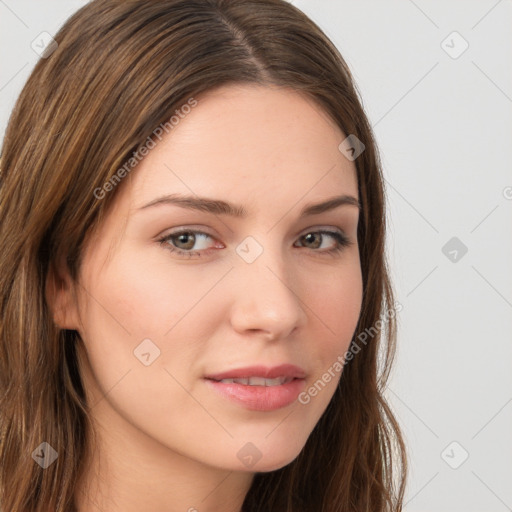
x=266 y=298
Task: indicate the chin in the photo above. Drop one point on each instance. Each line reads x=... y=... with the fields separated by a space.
x=272 y=460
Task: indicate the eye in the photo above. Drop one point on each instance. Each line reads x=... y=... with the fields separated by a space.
x=183 y=241
x=192 y=243
x=315 y=240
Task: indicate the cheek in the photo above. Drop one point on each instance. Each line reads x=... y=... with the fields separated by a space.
x=335 y=301
x=147 y=296
x=124 y=308
x=134 y=300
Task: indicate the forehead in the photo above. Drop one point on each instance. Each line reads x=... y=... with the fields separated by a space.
x=248 y=141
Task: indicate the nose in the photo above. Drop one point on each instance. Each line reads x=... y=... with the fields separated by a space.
x=267 y=301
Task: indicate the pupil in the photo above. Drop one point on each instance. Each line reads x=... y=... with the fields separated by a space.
x=309 y=237
x=183 y=239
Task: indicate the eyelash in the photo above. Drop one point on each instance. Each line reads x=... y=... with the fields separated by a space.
x=341 y=239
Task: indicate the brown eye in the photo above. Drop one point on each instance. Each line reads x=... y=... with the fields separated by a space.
x=184 y=241
x=315 y=239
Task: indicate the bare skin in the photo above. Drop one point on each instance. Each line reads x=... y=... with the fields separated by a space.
x=167 y=441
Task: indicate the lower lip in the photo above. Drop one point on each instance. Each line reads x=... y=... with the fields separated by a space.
x=260 y=398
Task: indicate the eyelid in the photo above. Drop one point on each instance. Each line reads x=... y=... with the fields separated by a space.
x=164 y=239
x=185 y=229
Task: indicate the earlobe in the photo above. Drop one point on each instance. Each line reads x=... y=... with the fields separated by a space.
x=60 y=296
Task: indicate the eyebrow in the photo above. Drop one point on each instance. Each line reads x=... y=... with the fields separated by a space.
x=219 y=207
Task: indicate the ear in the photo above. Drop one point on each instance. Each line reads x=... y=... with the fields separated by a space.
x=61 y=297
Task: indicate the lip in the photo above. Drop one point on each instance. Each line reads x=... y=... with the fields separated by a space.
x=260 y=398
x=283 y=370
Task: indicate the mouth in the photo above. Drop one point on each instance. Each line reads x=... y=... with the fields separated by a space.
x=257 y=381
x=282 y=371
x=260 y=388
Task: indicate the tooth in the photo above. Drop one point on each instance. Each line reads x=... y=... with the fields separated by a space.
x=257 y=381
x=274 y=382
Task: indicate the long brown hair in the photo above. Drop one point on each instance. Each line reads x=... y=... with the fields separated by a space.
x=120 y=70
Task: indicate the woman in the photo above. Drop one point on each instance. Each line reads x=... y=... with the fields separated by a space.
x=193 y=278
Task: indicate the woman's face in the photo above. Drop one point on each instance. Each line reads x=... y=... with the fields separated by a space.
x=172 y=293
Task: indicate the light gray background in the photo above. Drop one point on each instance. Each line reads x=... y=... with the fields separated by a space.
x=444 y=127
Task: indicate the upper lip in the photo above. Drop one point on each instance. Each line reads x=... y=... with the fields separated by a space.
x=283 y=370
